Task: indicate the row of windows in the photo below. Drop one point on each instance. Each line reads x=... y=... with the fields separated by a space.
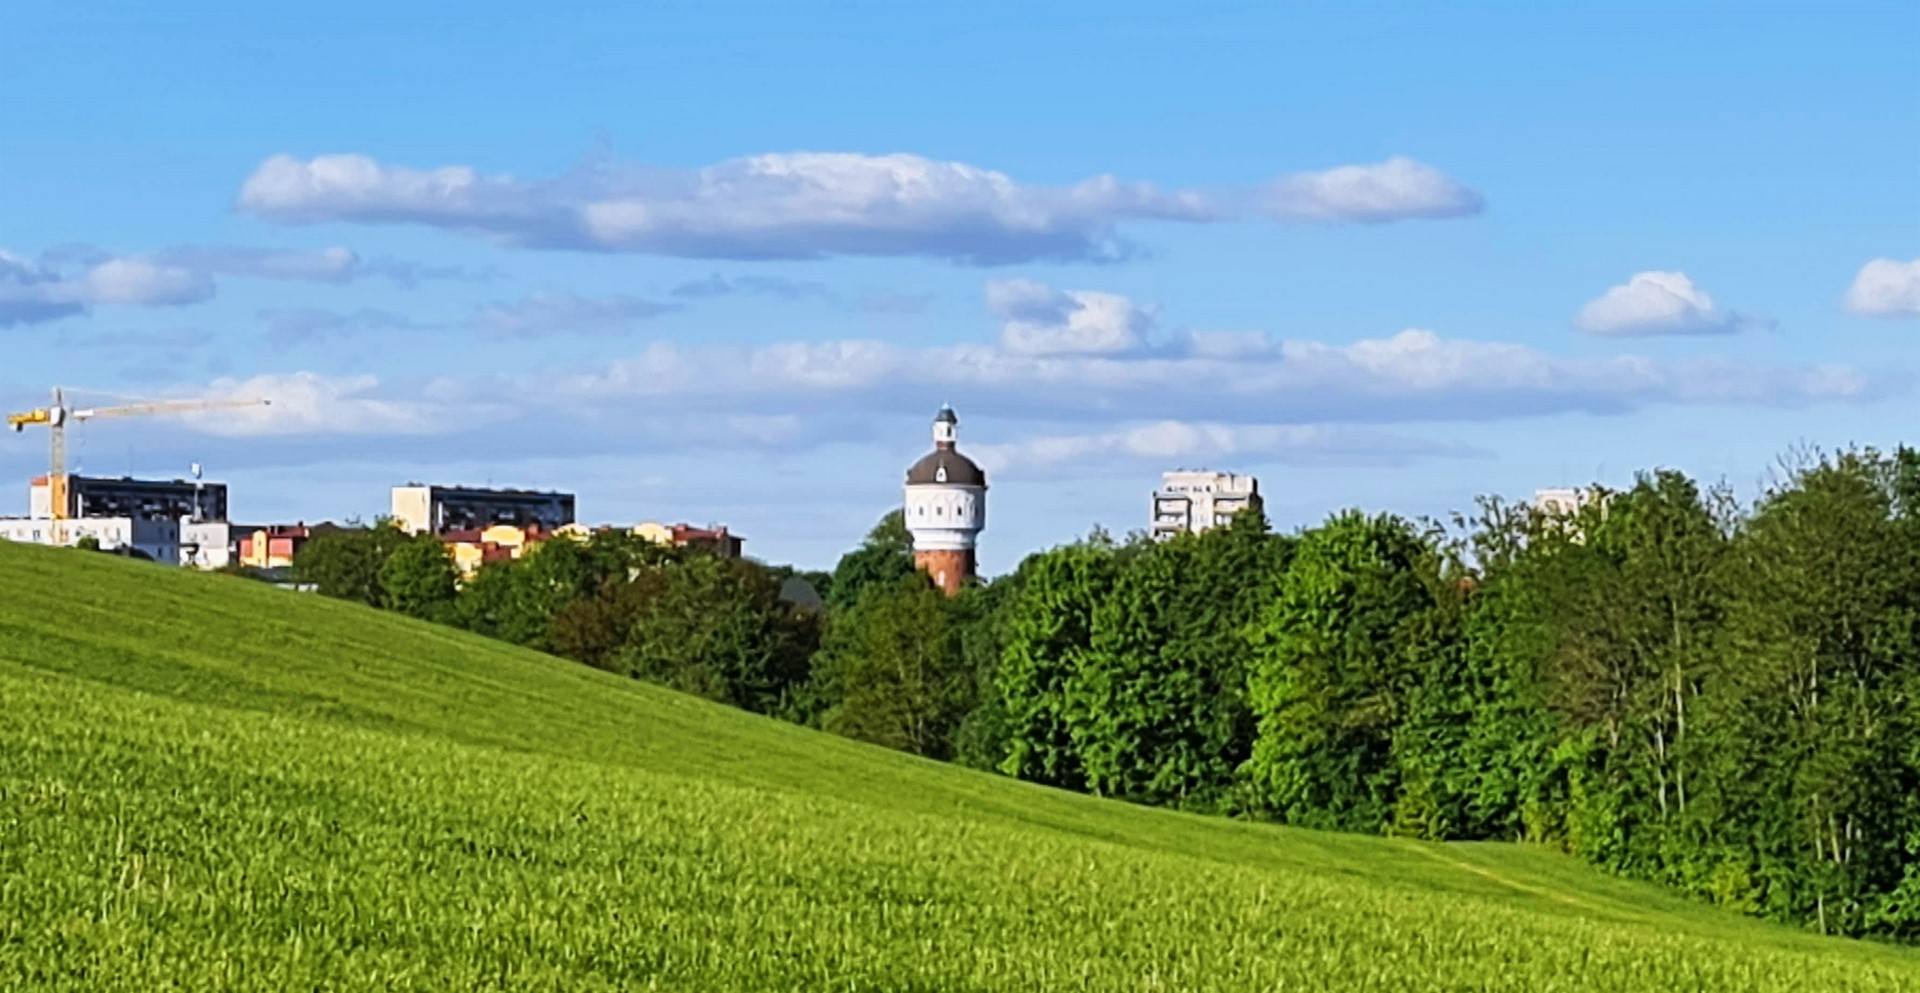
x=37 y=536
x=940 y=510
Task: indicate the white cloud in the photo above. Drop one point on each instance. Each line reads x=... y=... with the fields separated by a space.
x=540 y=314
x=326 y=265
x=178 y=340
x=1394 y=190
x=810 y=204
x=1170 y=442
x=32 y=292
x=1041 y=320
x=1415 y=375
x=1202 y=396
x=306 y=403
x=716 y=286
x=291 y=326
x=135 y=282
x=1658 y=302
x=1886 y=288
x=549 y=313
x=891 y=302
x=1097 y=371
x=71 y=279
x=777 y=287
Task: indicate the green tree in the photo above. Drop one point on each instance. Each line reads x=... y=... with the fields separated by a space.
x=1477 y=747
x=418 y=579
x=596 y=629
x=489 y=600
x=1626 y=595
x=518 y=600
x=1049 y=633
x=1813 y=724
x=1161 y=713
x=792 y=577
x=346 y=563
x=1138 y=702
x=718 y=628
x=881 y=560
x=1331 y=675
x=544 y=581
x=890 y=670
x=981 y=614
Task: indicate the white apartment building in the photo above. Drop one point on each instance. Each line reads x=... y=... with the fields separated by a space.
x=1192 y=501
x=155 y=538
x=155 y=518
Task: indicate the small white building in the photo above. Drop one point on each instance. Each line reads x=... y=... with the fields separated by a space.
x=156 y=539
x=1191 y=501
x=206 y=544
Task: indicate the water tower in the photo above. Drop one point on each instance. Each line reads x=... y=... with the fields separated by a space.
x=946 y=507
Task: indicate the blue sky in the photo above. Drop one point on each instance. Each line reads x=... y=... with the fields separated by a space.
x=722 y=262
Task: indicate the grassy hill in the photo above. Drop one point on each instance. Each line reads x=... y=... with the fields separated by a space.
x=206 y=783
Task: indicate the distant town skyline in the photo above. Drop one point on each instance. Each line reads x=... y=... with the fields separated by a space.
x=721 y=263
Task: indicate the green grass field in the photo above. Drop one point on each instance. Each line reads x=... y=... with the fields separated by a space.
x=207 y=783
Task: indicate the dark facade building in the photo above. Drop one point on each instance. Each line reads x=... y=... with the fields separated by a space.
x=439 y=509
x=144 y=499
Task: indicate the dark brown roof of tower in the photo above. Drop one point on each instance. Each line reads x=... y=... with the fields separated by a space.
x=960 y=470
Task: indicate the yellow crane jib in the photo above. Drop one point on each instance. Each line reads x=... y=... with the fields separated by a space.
x=19 y=422
x=58 y=415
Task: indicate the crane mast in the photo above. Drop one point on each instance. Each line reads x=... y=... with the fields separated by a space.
x=58 y=415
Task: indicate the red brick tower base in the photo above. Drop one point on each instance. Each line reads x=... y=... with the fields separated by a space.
x=950 y=568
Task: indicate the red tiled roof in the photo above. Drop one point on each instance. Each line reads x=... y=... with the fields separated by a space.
x=687 y=532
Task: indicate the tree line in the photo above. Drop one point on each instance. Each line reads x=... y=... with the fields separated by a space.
x=1663 y=682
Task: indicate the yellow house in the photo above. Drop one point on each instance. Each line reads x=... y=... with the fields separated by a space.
x=475 y=547
x=654 y=531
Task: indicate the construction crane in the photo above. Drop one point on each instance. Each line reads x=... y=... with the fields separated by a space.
x=58 y=415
